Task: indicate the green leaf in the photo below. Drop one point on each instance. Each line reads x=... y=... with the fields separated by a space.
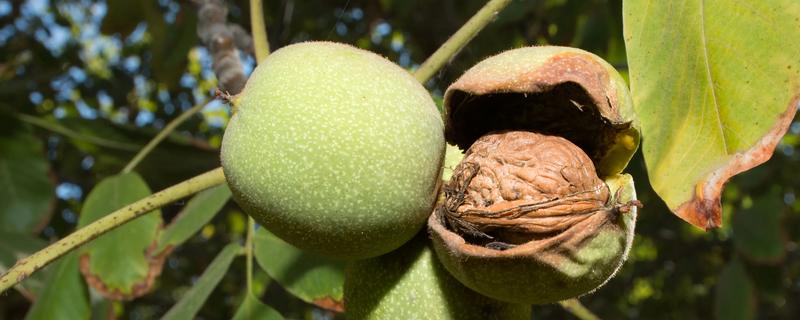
x=25 y=189
x=716 y=84
x=191 y=302
x=252 y=308
x=123 y=16
x=734 y=295
x=757 y=231
x=452 y=158
x=312 y=278
x=194 y=216
x=15 y=246
x=64 y=296
x=122 y=263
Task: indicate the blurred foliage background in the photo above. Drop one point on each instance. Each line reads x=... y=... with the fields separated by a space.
x=85 y=83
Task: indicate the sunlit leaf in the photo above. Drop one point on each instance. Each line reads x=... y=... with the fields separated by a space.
x=198 y=211
x=191 y=302
x=25 y=190
x=312 y=278
x=757 y=230
x=252 y=308
x=64 y=296
x=15 y=246
x=122 y=263
x=715 y=84
x=734 y=296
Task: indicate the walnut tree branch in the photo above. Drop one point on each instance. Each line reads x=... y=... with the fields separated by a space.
x=224 y=40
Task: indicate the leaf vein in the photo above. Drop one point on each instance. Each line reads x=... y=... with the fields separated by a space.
x=710 y=77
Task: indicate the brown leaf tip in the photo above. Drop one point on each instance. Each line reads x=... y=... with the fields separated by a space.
x=704 y=210
x=329 y=303
x=140 y=288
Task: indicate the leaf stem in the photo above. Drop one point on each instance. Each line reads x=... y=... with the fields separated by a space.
x=27 y=266
x=171 y=126
x=248 y=247
x=261 y=43
x=69 y=133
x=259 y=30
x=578 y=310
x=458 y=40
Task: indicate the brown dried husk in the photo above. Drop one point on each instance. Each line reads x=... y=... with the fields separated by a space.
x=558 y=91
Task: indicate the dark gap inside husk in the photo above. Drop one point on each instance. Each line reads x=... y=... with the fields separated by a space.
x=564 y=110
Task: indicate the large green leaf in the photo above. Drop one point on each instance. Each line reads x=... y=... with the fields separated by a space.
x=312 y=278
x=194 y=216
x=735 y=297
x=64 y=296
x=716 y=85
x=252 y=308
x=191 y=302
x=757 y=230
x=122 y=263
x=15 y=246
x=25 y=189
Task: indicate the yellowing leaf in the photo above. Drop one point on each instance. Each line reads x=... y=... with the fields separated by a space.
x=715 y=84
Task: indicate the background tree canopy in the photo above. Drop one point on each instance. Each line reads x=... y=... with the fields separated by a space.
x=85 y=84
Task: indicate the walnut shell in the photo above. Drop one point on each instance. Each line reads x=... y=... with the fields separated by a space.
x=520 y=185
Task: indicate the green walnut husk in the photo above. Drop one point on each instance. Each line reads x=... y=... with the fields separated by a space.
x=335 y=150
x=410 y=283
x=551 y=217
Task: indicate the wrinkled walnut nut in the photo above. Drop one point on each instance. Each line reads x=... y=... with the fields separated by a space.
x=516 y=186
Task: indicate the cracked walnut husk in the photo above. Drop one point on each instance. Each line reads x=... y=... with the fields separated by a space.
x=539 y=209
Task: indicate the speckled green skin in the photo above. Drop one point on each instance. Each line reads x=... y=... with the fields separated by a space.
x=410 y=283
x=520 y=279
x=334 y=149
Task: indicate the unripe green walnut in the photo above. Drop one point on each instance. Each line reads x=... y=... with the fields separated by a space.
x=538 y=210
x=410 y=283
x=334 y=149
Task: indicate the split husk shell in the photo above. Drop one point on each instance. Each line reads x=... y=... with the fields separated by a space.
x=551 y=91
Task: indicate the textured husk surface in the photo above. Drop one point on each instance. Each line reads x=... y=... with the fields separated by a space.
x=410 y=283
